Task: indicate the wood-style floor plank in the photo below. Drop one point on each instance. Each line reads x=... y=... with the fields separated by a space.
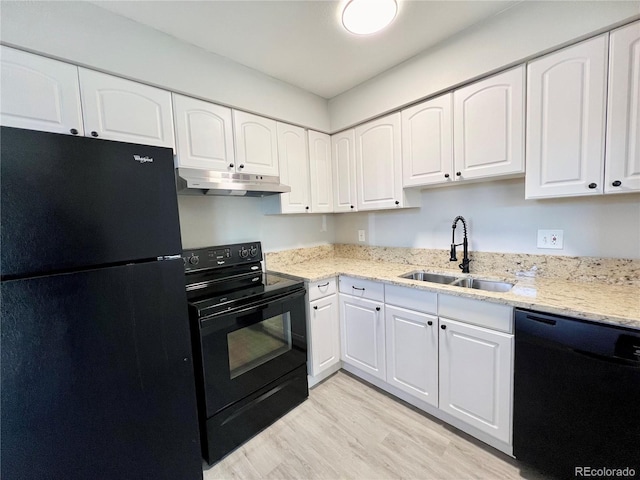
x=348 y=429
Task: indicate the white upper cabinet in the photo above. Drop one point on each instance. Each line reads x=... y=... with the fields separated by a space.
x=204 y=134
x=256 y=144
x=622 y=159
x=427 y=142
x=294 y=168
x=379 y=164
x=343 y=153
x=488 y=121
x=566 y=94
x=119 y=109
x=38 y=93
x=320 y=175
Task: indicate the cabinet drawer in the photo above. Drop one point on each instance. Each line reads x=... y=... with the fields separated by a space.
x=362 y=288
x=411 y=298
x=321 y=288
x=477 y=312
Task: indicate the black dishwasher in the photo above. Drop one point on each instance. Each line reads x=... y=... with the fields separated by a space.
x=576 y=397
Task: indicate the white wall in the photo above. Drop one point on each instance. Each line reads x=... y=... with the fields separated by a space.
x=85 y=34
x=211 y=220
x=514 y=35
x=501 y=220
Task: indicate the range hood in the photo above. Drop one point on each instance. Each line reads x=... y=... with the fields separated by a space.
x=191 y=181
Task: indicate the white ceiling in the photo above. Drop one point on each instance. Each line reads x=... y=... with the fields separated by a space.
x=302 y=42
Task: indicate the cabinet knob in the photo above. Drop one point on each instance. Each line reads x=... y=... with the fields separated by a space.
x=446 y=175
x=458 y=174
x=231 y=165
x=397 y=202
x=429 y=323
x=617 y=183
x=307 y=207
x=443 y=327
x=593 y=185
x=315 y=307
x=74 y=131
x=241 y=165
x=94 y=133
x=352 y=206
x=377 y=309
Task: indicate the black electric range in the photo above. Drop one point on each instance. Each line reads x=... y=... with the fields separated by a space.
x=249 y=339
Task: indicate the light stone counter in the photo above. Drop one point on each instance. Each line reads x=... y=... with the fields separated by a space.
x=600 y=301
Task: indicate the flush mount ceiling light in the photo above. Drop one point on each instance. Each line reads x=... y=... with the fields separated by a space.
x=363 y=17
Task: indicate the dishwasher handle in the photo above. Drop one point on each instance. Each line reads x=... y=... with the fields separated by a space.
x=594 y=339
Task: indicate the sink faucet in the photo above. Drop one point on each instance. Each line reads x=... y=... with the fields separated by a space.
x=465 y=260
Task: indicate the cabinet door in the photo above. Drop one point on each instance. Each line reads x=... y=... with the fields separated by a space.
x=320 y=172
x=476 y=376
x=343 y=149
x=378 y=164
x=294 y=168
x=324 y=327
x=412 y=352
x=256 y=144
x=566 y=93
x=119 y=109
x=204 y=134
x=427 y=143
x=38 y=93
x=489 y=126
x=622 y=160
x=362 y=333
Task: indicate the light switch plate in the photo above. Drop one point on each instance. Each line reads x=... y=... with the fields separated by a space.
x=361 y=236
x=551 y=239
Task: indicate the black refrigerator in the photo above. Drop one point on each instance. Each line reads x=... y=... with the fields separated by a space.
x=96 y=363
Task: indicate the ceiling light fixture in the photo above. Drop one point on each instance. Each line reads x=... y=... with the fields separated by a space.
x=363 y=17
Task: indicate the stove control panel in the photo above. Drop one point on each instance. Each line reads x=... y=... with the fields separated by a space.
x=221 y=256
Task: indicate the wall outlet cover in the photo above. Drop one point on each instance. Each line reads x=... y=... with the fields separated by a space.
x=361 y=237
x=551 y=239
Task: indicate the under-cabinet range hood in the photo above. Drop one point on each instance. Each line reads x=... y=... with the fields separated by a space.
x=191 y=181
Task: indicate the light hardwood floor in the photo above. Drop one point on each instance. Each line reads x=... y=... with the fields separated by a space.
x=349 y=429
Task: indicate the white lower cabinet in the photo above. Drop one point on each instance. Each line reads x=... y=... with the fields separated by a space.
x=362 y=332
x=476 y=376
x=412 y=352
x=324 y=325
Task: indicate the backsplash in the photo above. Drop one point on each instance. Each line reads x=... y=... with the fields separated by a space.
x=299 y=255
x=613 y=271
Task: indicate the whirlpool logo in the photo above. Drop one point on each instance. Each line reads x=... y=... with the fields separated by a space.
x=141 y=159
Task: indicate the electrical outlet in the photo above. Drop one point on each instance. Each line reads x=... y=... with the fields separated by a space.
x=550 y=239
x=361 y=236
x=323 y=226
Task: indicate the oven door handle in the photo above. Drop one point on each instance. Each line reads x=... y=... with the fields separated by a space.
x=252 y=307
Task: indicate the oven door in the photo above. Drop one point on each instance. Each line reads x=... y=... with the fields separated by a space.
x=246 y=348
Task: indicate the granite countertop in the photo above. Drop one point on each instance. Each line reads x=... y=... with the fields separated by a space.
x=615 y=304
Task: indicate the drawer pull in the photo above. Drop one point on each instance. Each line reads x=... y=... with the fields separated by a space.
x=323 y=285
x=357 y=288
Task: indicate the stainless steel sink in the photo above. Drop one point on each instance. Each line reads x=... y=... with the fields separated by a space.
x=464 y=282
x=487 y=285
x=430 y=277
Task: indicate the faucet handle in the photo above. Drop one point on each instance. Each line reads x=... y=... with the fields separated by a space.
x=453 y=257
